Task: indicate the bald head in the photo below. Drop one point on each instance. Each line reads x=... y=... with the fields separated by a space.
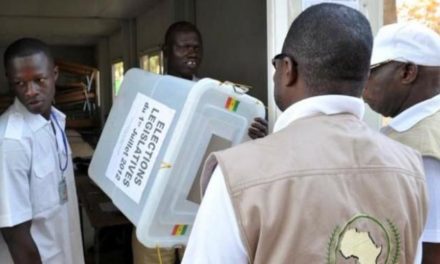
x=331 y=45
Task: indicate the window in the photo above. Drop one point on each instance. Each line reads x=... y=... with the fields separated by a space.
x=152 y=61
x=117 y=76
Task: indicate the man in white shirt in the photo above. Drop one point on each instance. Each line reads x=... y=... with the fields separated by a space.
x=321 y=188
x=404 y=84
x=39 y=219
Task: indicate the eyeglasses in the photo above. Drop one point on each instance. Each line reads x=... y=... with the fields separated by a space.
x=281 y=56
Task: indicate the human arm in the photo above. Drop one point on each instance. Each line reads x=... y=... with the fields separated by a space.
x=431 y=235
x=15 y=202
x=215 y=237
x=20 y=243
x=431 y=253
x=258 y=128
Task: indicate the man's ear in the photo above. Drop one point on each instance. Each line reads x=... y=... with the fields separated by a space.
x=409 y=73
x=291 y=71
x=55 y=73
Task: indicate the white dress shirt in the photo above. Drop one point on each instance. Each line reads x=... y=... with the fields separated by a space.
x=215 y=237
x=32 y=159
x=404 y=121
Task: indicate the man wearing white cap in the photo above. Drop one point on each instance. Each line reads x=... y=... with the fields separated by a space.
x=404 y=83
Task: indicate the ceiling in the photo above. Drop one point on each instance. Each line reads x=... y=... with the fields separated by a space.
x=66 y=22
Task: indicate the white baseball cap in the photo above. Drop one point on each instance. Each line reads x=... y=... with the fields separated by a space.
x=407 y=42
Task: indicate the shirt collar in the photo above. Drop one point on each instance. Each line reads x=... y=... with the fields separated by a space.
x=416 y=113
x=37 y=121
x=323 y=104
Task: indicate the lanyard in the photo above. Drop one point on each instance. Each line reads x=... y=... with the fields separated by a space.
x=63 y=135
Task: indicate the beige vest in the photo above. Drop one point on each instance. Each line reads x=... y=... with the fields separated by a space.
x=424 y=136
x=326 y=189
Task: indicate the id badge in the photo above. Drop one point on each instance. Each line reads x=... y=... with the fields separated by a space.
x=62 y=191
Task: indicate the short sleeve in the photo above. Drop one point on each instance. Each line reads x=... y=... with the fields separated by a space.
x=15 y=203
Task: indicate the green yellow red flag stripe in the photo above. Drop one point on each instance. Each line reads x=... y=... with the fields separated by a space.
x=232 y=104
x=179 y=230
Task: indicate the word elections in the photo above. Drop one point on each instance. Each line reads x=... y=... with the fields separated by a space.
x=140 y=149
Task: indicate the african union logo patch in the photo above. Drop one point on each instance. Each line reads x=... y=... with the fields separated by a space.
x=364 y=239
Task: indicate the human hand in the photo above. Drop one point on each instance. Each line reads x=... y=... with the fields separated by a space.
x=258 y=128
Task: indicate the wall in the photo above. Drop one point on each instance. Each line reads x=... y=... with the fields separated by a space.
x=108 y=50
x=82 y=55
x=235 y=45
x=151 y=26
x=242 y=60
x=115 y=46
x=3 y=83
x=147 y=29
x=234 y=36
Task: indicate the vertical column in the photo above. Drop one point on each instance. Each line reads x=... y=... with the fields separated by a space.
x=280 y=13
x=374 y=11
x=129 y=49
x=104 y=87
x=389 y=12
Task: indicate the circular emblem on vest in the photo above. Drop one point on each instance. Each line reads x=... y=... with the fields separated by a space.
x=365 y=239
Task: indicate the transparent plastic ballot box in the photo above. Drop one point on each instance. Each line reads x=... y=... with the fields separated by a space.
x=152 y=149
